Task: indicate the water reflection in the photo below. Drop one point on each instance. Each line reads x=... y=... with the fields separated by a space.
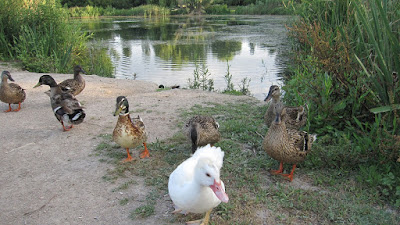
x=166 y=51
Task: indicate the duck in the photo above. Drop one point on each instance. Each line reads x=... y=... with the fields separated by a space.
x=76 y=85
x=195 y=185
x=296 y=115
x=285 y=144
x=129 y=133
x=67 y=109
x=11 y=93
x=202 y=130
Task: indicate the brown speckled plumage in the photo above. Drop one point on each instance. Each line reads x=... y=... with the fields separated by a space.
x=76 y=85
x=67 y=109
x=11 y=93
x=296 y=117
x=129 y=133
x=284 y=144
x=202 y=130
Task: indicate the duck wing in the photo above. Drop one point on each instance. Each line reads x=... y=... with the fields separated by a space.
x=18 y=91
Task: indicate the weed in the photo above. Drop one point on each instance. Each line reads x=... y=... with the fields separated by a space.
x=335 y=198
x=201 y=79
x=143 y=212
x=124 y=201
x=228 y=79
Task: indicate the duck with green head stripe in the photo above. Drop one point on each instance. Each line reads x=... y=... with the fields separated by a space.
x=66 y=107
x=129 y=133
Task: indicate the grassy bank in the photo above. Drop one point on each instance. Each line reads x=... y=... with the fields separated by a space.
x=144 y=10
x=41 y=36
x=260 y=7
x=318 y=195
x=346 y=69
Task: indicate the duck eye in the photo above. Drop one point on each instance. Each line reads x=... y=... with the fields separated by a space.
x=208 y=175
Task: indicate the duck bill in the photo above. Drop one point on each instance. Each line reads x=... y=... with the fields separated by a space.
x=10 y=78
x=37 y=85
x=269 y=96
x=219 y=191
x=117 y=111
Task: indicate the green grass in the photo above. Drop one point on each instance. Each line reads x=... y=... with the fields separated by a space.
x=318 y=194
x=124 y=201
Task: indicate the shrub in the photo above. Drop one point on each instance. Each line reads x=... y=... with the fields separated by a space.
x=40 y=34
x=348 y=74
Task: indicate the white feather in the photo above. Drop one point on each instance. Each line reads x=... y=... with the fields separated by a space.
x=184 y=187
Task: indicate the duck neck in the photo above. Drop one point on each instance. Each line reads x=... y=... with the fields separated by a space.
x=276 y=99
x=124 y=118
x=279 y=127
x=4 y=80
x=78 y=76
x=196 y=187
x=55 y=90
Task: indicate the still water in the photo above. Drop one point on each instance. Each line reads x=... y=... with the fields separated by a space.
x=167 y=50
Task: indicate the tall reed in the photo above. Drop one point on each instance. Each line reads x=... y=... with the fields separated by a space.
x=380 y=51
x=348 y=73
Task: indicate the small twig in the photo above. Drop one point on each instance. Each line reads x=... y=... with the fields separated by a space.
x=31 y=212
x=19 y=147
x=262 y=136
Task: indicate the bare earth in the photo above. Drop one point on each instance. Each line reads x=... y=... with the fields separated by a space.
x=49 y=176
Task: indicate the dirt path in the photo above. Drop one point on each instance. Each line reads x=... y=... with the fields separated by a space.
x=48 y=176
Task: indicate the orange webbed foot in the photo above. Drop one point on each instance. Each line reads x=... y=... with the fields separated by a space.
x=145 y=153
x=129 y=157
x=19 y=107
x=279 y=171
x=9 y=108
x=67 y=128
x=290 y=176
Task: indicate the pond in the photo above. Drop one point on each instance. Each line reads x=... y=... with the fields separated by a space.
x=167 y=50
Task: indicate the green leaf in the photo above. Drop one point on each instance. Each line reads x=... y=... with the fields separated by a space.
x=385 y=108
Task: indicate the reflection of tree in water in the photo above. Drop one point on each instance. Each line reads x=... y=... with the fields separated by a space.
x=146 y=48
x=180 y=54
x=226 y=50
x=252 y=47
x=126 y=52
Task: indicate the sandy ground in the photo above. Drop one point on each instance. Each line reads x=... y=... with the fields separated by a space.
x=48 y=176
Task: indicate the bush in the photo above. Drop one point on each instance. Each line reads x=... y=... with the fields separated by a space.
x=143 y=10
x=218 y=9
x=263 y=7
x=40 y=34
x=348 y=74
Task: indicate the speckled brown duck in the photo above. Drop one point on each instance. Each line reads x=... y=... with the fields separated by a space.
x=129 y=133
x=67 y=109
x=11 y=93
x=76 y=85
x=202 y=130
x=296 y=116
x=284 y=144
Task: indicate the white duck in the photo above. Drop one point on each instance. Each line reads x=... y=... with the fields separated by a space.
x=194 y=186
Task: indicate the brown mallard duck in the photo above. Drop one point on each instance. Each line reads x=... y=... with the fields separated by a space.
x=11 y=93
x=66 y=107
x=296 y=116
x=76 y=85
x=284 y=144
x=129 y=133
x=202 y=130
